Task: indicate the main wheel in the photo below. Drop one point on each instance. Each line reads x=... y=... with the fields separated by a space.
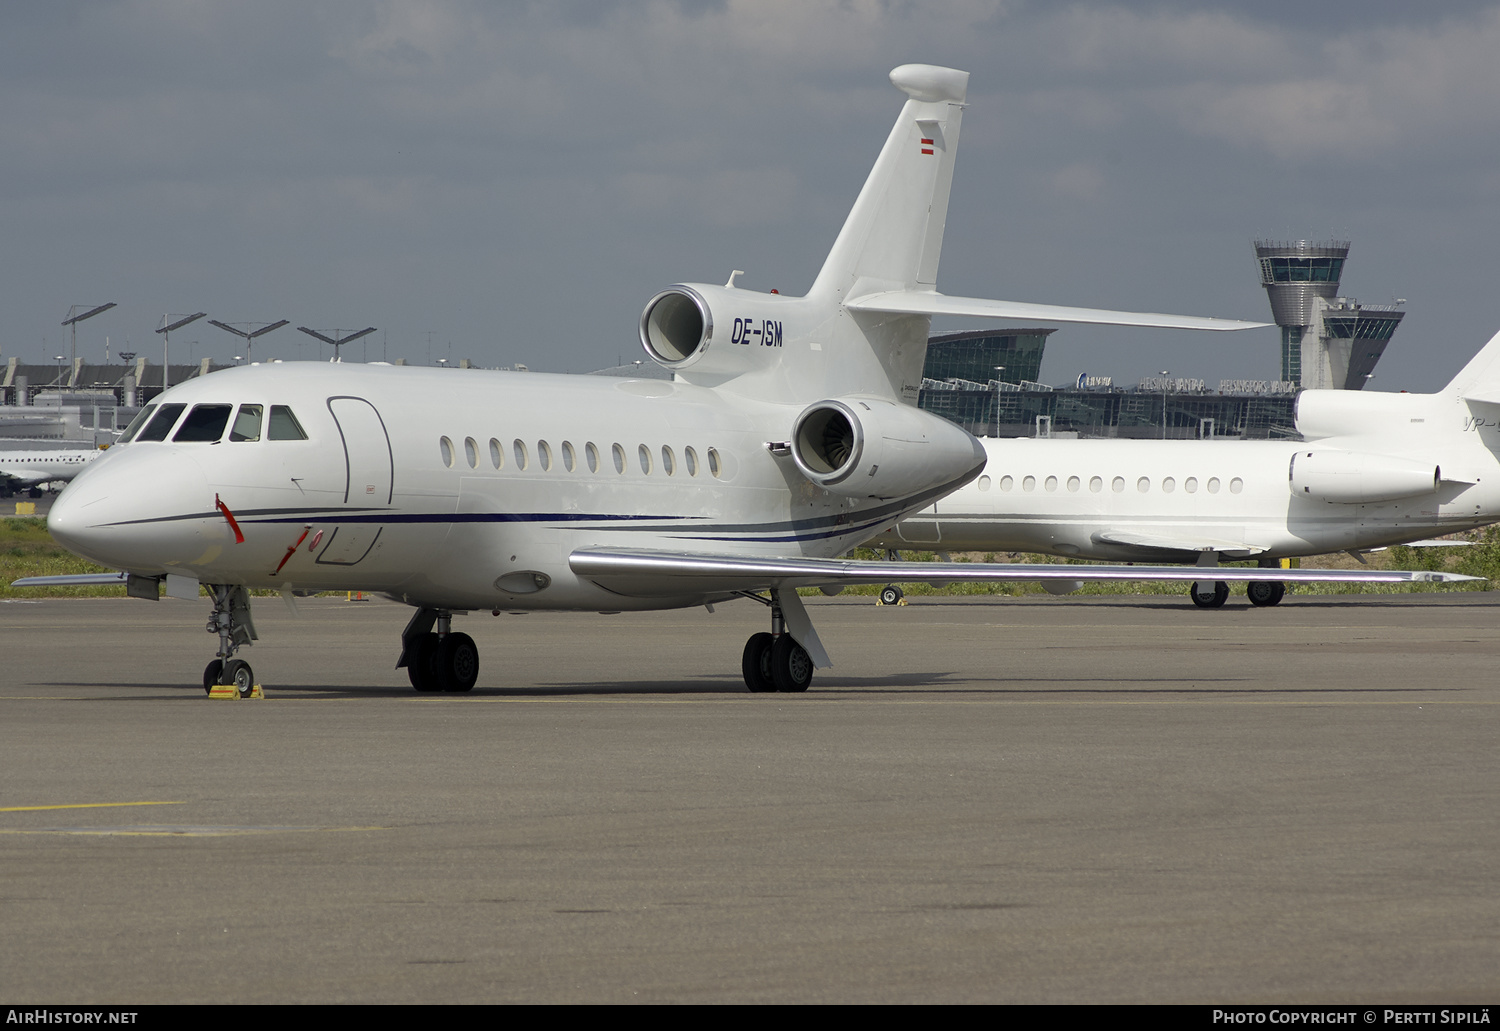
x=211 y=674
x=1266 y=592
x=890 y=595
x=419 y=656
x=237 y=672
x=756 y=663
x=1210 y=595
x=791 y=668
x=456 y=663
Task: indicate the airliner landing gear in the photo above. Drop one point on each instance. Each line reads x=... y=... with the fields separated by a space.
x=1209 y=594
x=775 y=661
x=890 y=594
x=230 y=619
x=438 y=660
x=1266 y=592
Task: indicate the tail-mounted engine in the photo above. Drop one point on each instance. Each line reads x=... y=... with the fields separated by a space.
x=714 y=331
x=870 y=447
x=1353 y=478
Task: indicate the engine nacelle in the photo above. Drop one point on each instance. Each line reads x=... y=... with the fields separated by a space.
x=1340 y=413
x=869 y=447
x=1354 y=478
x=712 y=330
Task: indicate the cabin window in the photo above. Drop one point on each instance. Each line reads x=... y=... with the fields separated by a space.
x=1236 y=485
x=984 y=483
x=715 y=465
x=570 y=460
x=1168 y=485
x=284 y=425
x=1117 y=485
x=644 y=453
x=247 y=423
x=690 y=459
x=1190 y=484
x=544 y=455
x=1213 y=485
x=1096 y=484
x=1029 y=484
x=1143 y=484
x=497 y=453
x=519 y=447
x=141 y=418
x=1073 y=484
x=471 y=452
x=618 y=453
x=591 y=455
x=1007 y=483
x=1051 y=484
x=446 y=446
x=668 y=460
x=161 y=425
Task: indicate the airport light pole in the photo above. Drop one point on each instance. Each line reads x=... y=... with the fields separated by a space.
x=1163 y=404
x=166 y=336
x=74 y=318
x=248 y=334
x=338 y=339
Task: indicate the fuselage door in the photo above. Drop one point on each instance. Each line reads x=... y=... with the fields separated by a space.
x=369 y=481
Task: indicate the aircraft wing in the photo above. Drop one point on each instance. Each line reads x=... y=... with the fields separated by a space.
x=930 y=302
x=71 y=580
x=1156 y=542
x=643 y=573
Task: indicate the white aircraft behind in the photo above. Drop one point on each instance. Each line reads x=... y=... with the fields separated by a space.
x=22 y=470
x=788 y=436
x=1372 y=470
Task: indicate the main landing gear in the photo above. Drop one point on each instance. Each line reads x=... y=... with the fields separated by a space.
x=230 y=619
x=1265 y=592
x=1209 y=594
x=774 y=661
x=438 y=659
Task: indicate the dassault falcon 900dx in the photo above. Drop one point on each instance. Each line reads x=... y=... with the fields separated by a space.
x=1372 y=469
x=787 y=436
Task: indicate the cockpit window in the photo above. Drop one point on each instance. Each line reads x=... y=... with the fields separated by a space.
x=136 y=424
x=204 y=424
x=284 y=425
x=161 y=425
x=247 y=423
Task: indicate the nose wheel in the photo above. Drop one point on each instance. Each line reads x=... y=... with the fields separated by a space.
x=230 y=619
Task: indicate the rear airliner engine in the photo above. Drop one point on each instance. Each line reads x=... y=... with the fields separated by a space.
x=1355 y=478
x=869 y=447
x=712 y=331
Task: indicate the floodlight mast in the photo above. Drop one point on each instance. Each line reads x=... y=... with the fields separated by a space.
x=166 y=335
x=74 y=318
x=249 y=335
x=337 y=340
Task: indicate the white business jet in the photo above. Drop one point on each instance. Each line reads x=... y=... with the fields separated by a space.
x=787 y=436
x=29 y=470
x=1372 y=470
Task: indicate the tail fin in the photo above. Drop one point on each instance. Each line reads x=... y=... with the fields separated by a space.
x=1479 y=380
x=893 y=236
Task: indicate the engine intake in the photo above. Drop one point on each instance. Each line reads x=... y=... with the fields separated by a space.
x=875 y=447
x=677 y=326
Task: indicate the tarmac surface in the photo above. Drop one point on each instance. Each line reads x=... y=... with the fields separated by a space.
x=986 y=800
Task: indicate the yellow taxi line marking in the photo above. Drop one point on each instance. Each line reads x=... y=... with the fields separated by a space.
x=79 y=805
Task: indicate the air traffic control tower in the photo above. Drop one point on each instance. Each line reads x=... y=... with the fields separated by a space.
x=1327 y=341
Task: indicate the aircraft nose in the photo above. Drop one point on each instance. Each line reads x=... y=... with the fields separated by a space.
x=118 y=511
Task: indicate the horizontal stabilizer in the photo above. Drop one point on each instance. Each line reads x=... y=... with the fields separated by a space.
x=642 y=573
x=1152 y=542
x=930 y=302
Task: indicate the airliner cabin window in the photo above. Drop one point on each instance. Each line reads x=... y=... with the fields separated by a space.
x=159 y=427
x=284 y=425
x=247 y=423
x=204 y=424
x=140 y=420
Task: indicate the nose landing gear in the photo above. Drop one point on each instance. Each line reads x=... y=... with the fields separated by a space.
x=230 y=619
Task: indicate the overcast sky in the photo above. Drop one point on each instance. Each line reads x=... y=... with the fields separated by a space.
x=510 y=182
